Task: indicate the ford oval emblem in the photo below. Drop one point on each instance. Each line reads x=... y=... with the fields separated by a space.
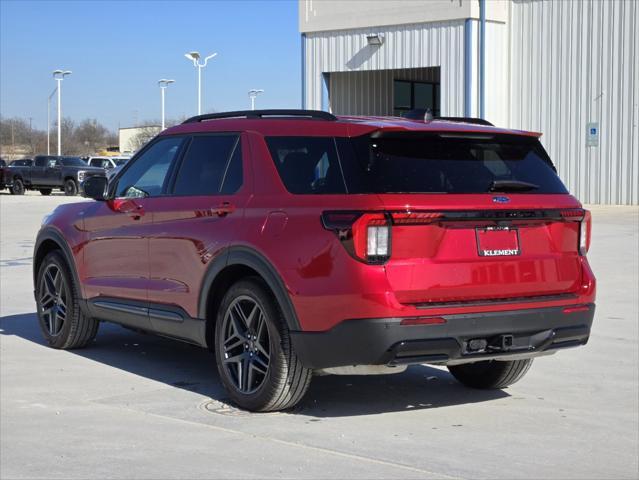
x=501 y=199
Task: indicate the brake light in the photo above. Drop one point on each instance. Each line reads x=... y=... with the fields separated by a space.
x=366 y=236
x=416 y=218
x=371 y=237
x=585 y=227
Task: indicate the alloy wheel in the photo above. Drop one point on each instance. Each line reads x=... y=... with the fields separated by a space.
x=245 y=344
x=53 y=300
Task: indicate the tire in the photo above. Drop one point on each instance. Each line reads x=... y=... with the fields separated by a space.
x=63 y=328
x=45 y=191
x=284 y=381
x=70 y=187
x=18 y=187
x=490 y=374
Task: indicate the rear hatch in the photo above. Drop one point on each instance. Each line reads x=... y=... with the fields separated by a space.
x=471 y=217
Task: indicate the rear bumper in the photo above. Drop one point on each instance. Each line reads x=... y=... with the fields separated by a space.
x=508 y=335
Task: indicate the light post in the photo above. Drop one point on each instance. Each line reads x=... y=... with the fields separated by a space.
x=252 y=94
x=59 y=75
x=163 y=84
x=195 y=57
x=49 y=120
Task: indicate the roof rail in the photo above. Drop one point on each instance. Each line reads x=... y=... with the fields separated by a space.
x=253 y=114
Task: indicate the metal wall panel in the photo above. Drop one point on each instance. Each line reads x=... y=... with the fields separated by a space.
x=574 y=62
x=371 y=92
x=437 y=44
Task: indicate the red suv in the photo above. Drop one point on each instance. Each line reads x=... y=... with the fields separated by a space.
x=291 y=242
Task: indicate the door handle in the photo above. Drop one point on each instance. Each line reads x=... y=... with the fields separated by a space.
x=223 y=209
x=136 y=212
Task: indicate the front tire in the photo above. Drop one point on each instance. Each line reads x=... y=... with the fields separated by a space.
x=490 y=374
x=62 y=322
x=18 y=187
x=45 y=191
x=255 y=357
x=70 y=187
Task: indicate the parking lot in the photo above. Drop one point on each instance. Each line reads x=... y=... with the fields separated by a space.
x=139 y=406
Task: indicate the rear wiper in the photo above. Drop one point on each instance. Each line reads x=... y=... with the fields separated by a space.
x=511 y=186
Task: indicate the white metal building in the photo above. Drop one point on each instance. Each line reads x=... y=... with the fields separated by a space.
x=566 y=68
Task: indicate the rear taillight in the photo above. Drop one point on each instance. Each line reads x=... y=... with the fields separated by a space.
x=585 y=220
x=371 y=237
x=366 y=236
x=584 y=233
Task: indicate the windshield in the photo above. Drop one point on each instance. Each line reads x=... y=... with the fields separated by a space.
x=73 y=162
x=120 y=161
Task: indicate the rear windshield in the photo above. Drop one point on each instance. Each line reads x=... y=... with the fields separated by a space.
x=414 y=163
x=73 y=162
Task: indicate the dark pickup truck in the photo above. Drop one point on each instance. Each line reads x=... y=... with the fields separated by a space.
x=5 y=177
x=48 y=172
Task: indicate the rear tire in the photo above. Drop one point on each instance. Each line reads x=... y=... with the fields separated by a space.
x=251 y=336
x=70 y=187
x=490 y=374
x=45 y=191
x=18 y=187
x=62 y=322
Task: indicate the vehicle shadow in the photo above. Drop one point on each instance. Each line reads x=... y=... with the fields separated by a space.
x=192 y=368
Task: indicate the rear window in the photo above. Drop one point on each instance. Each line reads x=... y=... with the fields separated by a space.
x=73 y=162
x=417 y=163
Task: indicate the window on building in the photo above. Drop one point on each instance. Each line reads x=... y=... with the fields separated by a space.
x=409 y=95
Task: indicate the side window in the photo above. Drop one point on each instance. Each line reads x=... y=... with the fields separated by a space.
x=147 y=175
x=41 y=162
x=205 y=162
x=307 y=165
x=234 y=176
x=52 y=163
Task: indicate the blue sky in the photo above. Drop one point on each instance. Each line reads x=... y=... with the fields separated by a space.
x=118 y=50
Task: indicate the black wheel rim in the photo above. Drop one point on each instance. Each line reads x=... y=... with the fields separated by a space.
x=245 y=344
x=53 y=300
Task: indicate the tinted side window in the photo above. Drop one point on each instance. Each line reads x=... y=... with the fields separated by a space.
x=204 y=165
x=147 y=174
x=234 y=176
x=307 y=165
x=41 y=162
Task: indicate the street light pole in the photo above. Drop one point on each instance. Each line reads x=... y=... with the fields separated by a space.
x=59 y=75
x=252 y=94
x=49 y=120
x=195 y=57
x=163 y=84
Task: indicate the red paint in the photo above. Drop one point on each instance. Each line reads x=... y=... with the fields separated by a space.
x=158 y=249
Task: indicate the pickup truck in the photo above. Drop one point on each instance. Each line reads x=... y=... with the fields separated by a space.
x=5 y=177
x=49 y=172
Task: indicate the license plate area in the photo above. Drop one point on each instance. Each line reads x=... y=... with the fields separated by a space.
x=497 y=241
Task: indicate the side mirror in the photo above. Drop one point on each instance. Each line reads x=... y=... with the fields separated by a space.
x=95 y=187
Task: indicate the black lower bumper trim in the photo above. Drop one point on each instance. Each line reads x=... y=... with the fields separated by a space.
x=467 y=337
